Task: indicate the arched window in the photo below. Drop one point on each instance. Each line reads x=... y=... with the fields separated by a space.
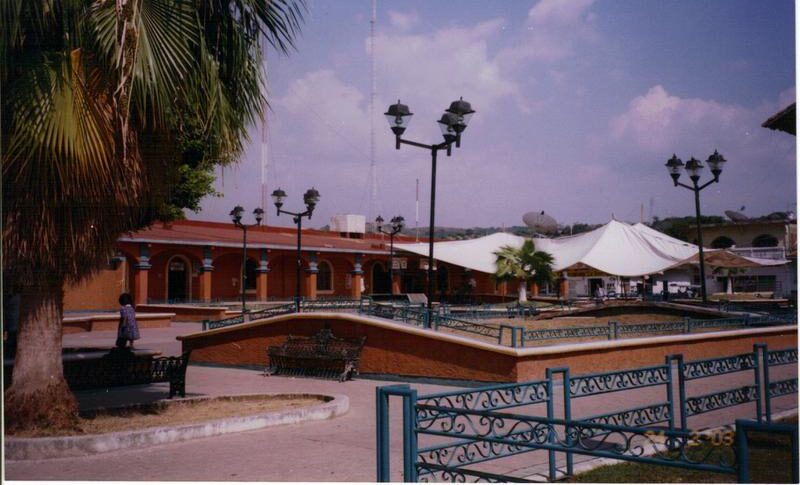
x=324 y=276
x=722 y=242
x=250 y=274
x=765 y=241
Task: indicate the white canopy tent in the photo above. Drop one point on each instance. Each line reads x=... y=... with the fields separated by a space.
x=616 y=248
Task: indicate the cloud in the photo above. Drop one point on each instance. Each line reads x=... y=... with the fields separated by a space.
x=657 y=121
x=761 y=167
x=554 y=30
x=432 y=69
x=403 y=21
x=558 y=11
x=322 y=108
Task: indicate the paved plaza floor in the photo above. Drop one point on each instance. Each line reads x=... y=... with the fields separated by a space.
x=339 y=449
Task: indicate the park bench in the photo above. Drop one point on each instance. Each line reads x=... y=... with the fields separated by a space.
x=121 y=367
x=321 y=355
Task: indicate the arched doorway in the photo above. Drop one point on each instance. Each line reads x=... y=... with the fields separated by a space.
x=178 y=279
x=765 y=241
x=722 y=242
x=381 y=281
x=442 y=281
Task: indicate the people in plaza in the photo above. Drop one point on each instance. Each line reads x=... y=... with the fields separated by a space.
x=600 y=295
x=11 y=304
x=128 y=329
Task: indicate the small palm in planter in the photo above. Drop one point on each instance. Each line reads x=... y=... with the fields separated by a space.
x=525 y=264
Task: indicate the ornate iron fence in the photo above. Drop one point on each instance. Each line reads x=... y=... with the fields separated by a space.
x=418 y=315
x=273 y=311
x=461 y=429
x=212 y=324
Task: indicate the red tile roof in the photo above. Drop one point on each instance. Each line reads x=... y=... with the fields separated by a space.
x=206 y=233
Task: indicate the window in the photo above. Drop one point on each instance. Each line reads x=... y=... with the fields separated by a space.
x=324 y=276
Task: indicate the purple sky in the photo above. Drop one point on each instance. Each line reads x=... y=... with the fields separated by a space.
x=579 y=105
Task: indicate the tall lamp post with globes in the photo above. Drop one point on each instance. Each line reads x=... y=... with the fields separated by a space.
x=452 y=123
x=397 y=224
x=236 y=217
x=311 y=197
x=694 y=168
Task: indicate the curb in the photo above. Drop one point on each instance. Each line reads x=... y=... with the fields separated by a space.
x=75 y=446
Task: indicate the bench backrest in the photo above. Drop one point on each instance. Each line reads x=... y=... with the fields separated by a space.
x=322 y=344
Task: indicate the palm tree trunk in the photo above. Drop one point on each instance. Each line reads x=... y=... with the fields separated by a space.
x=523 y=291
x=38 y=396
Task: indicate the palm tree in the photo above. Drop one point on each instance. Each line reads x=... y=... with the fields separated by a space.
x=524 y=264
x=96 y=94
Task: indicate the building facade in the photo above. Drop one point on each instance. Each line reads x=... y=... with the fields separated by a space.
x=199 y=261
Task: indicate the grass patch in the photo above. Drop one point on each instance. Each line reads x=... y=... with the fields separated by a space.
x=770 y=462
x=175 y=413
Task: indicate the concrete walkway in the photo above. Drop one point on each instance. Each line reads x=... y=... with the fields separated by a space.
x=339 y=449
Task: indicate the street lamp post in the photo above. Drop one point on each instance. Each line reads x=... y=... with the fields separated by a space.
x=236 y=217
x=397 y=224
x=311 y=197
x=694 y=168
x=452 y=123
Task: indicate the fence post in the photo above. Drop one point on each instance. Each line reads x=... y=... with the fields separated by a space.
x=687 y=325
x=205 y=325
x=521 y=335
x=742 y=453
x=514 y=337
x=410 y=436
x=567 y=414
x=670 y=392
x=681 y=391
x=612 y=330
x=382 y=429
x=551 y=455
x=552 y=434
x=409 y=431
x=757 y=379
x=764 y=351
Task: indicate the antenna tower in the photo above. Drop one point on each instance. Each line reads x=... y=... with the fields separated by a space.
x=264 y=136
x=372 y=169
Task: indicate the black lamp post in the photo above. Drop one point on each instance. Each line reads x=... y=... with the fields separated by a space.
x=694 y=168
x=311 y=197
x=236 y=217
x=452 y=123
x=397 y=224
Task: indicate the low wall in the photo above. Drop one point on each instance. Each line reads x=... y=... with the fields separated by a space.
x=613 y=308
x=186 y=313
x=398 y=349
x=90 y=323
x=612 y=355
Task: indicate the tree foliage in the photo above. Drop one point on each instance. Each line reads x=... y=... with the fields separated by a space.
x=524 y=263
x=114 y=113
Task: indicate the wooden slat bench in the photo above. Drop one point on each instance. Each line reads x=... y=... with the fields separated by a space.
x=322 y=355
x=120 y=367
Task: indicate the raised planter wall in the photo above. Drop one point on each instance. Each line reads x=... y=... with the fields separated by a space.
x=186 y=313
x=397 y=349
x=92 y=323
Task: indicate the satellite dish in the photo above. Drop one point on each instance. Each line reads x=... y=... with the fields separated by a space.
x=539 y=222
x=736 y=216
